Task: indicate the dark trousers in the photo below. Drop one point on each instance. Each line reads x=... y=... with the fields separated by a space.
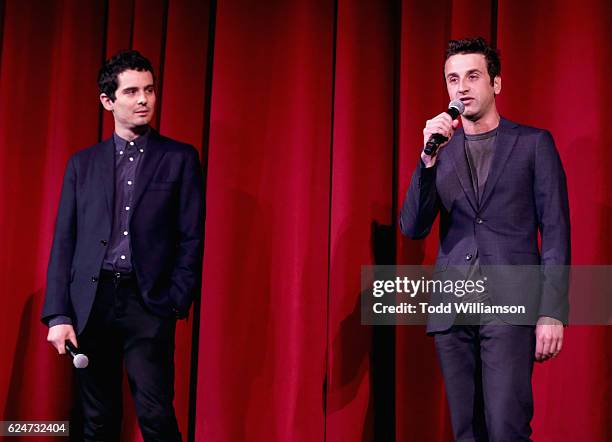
x=121 y=330
x=487 y=373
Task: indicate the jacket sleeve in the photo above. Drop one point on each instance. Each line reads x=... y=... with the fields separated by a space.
x=550 y=193
x=186 y=278
x=57 y=293
x=421 y=204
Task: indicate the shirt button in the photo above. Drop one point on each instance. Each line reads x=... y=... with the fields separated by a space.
x=94 y=279
x=131 y=143
x=129 y=182
x=103 y=242
x=127 y=207
x=141 y=150
x=131 y=159
x=122 y=256
x=468 y=257
x=125 y=232
x=479 y=221
x=120 y=152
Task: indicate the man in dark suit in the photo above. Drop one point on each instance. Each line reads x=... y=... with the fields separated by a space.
x=126 y=258
x=496 y=185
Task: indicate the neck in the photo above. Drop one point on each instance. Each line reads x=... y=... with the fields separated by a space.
x=481 y=125
x=132 y=133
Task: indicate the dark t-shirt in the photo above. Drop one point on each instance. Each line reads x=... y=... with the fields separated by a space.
x=479 y=152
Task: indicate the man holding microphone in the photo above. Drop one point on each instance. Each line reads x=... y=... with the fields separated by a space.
x=126 y=260
x=496 y=185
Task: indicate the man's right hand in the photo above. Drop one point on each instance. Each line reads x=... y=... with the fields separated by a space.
x=440 y=124
x=59 y=334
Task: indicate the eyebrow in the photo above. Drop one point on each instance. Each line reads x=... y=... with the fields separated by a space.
x=471 y=71
x=134 y=88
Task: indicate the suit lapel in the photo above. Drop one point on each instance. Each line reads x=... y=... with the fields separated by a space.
x=457 y=151
x=504 y=143
x=105 y=163
x=153 y=154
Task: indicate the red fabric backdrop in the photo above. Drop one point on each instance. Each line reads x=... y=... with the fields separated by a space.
x=309 y=116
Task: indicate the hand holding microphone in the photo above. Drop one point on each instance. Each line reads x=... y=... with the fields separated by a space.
x=439 y=130
x=79 y=360
x=63 y=338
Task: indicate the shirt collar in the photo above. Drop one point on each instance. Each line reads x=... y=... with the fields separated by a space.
x=482 y=136
x=139 y=143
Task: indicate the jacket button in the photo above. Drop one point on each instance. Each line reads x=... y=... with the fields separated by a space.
x=479 y=221
x=103 y=242
x=468 y=257
x=94 y=279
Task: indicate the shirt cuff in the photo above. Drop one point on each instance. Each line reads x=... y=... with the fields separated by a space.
x=426 y=169
x=59 y=320
x=427 y=175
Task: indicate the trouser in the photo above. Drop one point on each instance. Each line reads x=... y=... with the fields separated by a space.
x=121 y=330
x=487 y=373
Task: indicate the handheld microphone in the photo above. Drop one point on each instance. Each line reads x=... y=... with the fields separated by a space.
x=79 y=360
x=455 y=108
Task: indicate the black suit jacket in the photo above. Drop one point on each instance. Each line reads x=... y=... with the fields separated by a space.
x=166 y=229
x=525 y=193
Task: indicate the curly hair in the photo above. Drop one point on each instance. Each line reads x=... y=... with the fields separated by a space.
x=476 y=45
x=118 y=63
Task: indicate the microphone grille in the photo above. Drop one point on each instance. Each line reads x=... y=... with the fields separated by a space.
x=80 y=361
x=457 y=104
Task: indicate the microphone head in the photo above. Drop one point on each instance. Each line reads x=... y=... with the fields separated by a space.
x=458 y=105
x=80 y=360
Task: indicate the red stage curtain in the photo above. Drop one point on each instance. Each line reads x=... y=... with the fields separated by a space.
x=309 y=115
x=263 y=332
x=360 y=205
x=49 y=60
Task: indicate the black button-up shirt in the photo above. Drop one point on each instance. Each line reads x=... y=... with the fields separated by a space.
x=128 y=156
x=118 y=258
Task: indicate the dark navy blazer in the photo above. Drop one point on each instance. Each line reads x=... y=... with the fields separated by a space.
x=166 y=229
x=525 y=194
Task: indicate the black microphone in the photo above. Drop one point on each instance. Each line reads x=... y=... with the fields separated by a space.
x=455 y=108
x=79 y=360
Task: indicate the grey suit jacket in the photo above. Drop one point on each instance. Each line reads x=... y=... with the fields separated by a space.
x=525 y=195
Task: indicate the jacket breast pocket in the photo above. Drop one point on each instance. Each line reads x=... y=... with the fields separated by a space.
x=161 y=185
x=441 y=265
x=525 y=258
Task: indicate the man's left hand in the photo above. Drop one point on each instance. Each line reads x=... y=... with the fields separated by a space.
x=549 y=338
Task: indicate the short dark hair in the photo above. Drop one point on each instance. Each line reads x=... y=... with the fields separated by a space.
x=476 y=45
x=118 y=63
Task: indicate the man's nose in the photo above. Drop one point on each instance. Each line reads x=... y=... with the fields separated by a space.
x=142 y=98
x=463 y=86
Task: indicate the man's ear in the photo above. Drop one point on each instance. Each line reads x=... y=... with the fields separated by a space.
x=106 y=102
x=497 y=85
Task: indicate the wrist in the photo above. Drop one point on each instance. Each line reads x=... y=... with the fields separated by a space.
x=428 y=161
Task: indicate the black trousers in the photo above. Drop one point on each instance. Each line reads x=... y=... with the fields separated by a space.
x=487 y=373
x=121 y=331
